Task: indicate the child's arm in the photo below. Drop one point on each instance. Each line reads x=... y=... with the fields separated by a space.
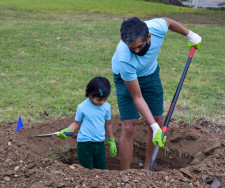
x=111 y=140
x=72 y=128
x=108 y=127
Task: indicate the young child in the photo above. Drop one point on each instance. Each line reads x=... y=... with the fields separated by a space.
x=93 y=116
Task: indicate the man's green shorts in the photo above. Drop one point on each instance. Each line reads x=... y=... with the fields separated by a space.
x=151 y=89
x=91 y=154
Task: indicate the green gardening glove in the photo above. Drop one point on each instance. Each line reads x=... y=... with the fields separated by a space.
x=157 y=135
x=158 y=139
x=61 y=135
x=193 y=40
x=197 y=45
x=112 y=147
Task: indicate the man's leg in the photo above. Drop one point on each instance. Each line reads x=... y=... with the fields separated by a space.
x=149 y=144
x=126 y=143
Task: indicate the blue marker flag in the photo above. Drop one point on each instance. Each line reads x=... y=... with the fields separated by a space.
x=19 y=124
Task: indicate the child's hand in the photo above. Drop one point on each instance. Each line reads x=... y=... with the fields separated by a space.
x=61 y=135
x=112 y=147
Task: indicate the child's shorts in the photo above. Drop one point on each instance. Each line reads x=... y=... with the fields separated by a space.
x=152 y=92
x=91 y=154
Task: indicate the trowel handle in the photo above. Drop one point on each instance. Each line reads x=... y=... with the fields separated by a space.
x=69 y=133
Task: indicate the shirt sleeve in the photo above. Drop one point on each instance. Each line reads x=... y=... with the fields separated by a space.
x=79 y=114
x=128 y=71
x=157 y=26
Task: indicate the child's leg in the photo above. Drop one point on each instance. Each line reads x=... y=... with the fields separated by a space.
x=100 y=155
x=85 y=154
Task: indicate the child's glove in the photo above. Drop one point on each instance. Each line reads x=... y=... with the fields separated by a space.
x=193 y=40
x=112 y=147
x=61 y=135
x=157 y=135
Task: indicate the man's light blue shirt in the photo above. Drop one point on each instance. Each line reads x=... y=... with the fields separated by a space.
x=93 y=121
x=131 y=66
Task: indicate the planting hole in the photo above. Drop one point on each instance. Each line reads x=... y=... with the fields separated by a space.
x=167 y=158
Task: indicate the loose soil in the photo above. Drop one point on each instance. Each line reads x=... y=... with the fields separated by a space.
x=193 y=156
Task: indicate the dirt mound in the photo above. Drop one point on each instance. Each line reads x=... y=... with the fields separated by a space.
x=192 y=157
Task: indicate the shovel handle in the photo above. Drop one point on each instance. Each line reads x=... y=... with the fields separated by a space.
x=172 y=106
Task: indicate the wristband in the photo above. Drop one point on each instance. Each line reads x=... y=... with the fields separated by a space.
x=193 y=37
x=190 y=35
x=155 y=127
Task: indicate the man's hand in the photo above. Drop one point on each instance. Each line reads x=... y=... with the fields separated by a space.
x=112 y=147
x=157 y=135
x=193 y=40
x=61 y=135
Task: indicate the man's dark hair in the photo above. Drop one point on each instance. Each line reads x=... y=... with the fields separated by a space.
x=133 y=29
x=98 y=87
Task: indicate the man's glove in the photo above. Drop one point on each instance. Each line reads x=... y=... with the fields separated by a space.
x=112 y=147
x=61 y=135
x=157 y=135
x=193 y=40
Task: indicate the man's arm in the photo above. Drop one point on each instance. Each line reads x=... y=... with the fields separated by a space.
x=193 y=38
x=141 y=105
x=176 y=26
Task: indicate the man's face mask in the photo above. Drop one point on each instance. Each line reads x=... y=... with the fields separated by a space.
x=144 y=50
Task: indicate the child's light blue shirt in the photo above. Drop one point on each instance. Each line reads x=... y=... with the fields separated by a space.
x=93 y=121
x=131 y=66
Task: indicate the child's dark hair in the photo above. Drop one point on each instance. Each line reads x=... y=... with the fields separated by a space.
x=98 y=87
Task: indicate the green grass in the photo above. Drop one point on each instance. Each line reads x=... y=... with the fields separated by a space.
x=202 y=94
x=43 y=55
x=49 y=51
x=113 y=7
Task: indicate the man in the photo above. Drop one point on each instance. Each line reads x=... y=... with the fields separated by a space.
x=137 y=81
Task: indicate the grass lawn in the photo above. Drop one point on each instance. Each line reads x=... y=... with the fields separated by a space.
x=125 y=8
x=49 y=50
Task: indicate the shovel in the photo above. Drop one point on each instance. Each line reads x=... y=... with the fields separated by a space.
x=55 y=133
x=172 y=106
